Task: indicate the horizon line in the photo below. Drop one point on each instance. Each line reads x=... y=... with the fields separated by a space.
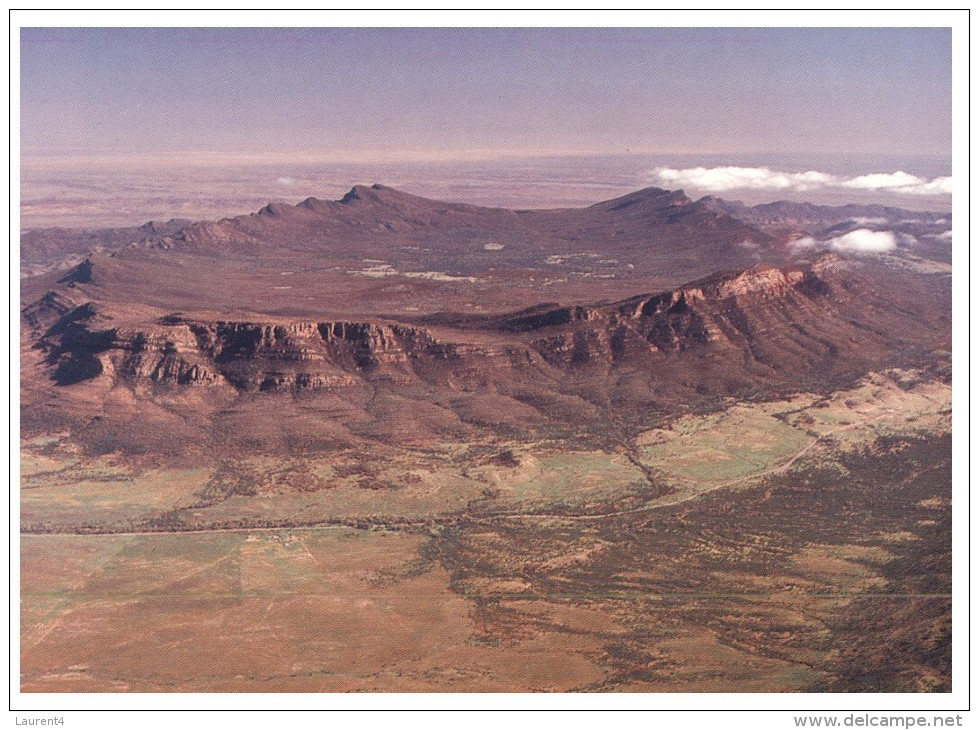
x=43 y=157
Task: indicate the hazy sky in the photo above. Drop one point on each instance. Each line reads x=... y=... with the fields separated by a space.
x=426 y=92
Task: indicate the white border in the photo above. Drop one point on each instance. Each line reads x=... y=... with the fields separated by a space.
x=30 y=705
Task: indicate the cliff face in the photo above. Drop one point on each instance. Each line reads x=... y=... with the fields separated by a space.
x=763 y=322
x=739 y=311
x=251 y=356
x=305 y=355
x=82 y=344
x=168 y=357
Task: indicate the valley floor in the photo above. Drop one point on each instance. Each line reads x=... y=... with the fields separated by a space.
x=794 y=545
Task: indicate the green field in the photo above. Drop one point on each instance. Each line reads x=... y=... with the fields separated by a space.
x=566 y=478
x=735 y=444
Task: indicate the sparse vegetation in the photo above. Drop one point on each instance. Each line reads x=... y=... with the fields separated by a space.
x=732 y=482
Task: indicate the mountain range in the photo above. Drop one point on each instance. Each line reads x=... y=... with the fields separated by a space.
x=449 y=318
x=393 y=444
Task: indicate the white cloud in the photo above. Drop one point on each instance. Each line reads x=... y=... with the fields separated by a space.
x=727 y=178
x=285 y=181
x=862 y=240
x=900 y=182
x=882 y=181
x=938 y=186
x=717 y=179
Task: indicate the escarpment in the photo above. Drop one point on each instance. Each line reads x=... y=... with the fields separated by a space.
x=712 y=335
x=84 y=343
x=779 y=320
x=309 y=355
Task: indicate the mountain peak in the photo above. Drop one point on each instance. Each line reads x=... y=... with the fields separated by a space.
x=275 y=209
x=647 y=199
x=374 y=193
x=80 y=274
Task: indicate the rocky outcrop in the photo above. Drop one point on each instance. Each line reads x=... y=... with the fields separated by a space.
x=48 y=309
x=763 y=320
x=761 y=283
x=166 y=356
x=83 y=344
x=314 y=354
x=538 y=318
x=252 y=356
x=79 y=274
x=776 y=318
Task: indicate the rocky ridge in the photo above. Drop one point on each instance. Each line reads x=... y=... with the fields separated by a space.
x=761 y=321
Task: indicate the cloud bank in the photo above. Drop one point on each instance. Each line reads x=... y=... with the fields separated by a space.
x=862 y=240
x=717 y=179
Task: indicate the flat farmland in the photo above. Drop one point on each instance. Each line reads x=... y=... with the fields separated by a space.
x=741 y=588
x=305 y=610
